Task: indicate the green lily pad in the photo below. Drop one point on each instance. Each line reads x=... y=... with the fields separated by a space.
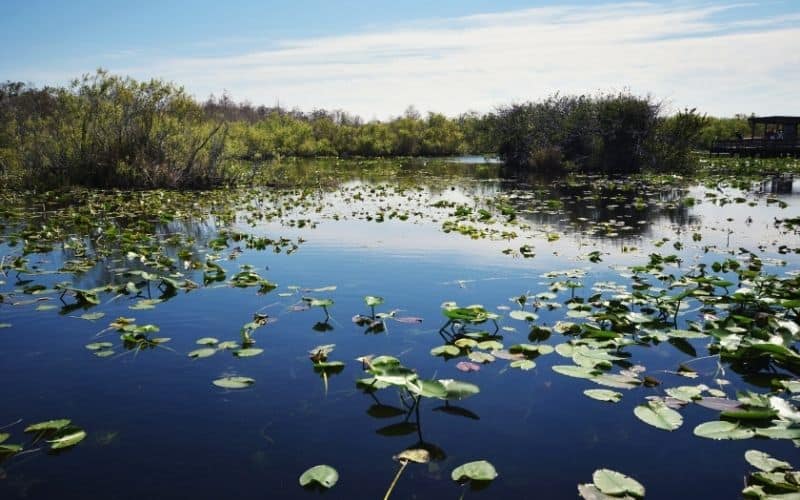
x=248 y=352
x=575 y=371
x=659 y=415
x=92 y=316
x=523 y=315
x=50 y=425
x=604 y=395
x=207 y=341
x=427 y=388
x=373 y=301
x=323 y=475
x=68 y=439
x=416 y=455
x=523 y=364
x=765 y=462
x=234 y=382
x=720 y=429
x=446 y=350
x=779 y=432
x=96 y=346
x=459 y=390
x=202 y=353
x=615 y=483
x=9 y=449
x=480 y=470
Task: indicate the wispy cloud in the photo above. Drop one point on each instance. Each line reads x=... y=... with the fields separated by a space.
x=681 y=52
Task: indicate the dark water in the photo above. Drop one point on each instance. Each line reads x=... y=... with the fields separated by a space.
x=158 y=428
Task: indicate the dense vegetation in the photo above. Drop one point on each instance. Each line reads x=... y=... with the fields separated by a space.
x=106 y=131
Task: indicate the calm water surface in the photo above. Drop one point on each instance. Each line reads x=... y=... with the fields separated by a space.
x=158 y=428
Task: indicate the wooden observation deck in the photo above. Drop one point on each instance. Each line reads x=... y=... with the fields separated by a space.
x=778 y=137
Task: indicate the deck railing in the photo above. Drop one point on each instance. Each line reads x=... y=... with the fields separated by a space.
x=771 y=147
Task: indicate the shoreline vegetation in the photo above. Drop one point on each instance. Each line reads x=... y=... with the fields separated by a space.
x=109 y=131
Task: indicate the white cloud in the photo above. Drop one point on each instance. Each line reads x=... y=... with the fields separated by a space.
x=680 y=53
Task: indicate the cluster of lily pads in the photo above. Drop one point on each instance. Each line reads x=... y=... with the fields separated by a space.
x=58 y=435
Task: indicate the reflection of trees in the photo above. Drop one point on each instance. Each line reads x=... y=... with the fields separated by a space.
x=777 y=184
x=582 y=202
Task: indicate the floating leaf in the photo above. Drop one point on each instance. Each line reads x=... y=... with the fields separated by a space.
x=719 y=404
x=764 y=462
x=591 y=492
x=720 y=429
x=459 y=390
x=234 y=382
x=416 y=455
x=575 y=371
x=480 y=357
x=202 y=353
x=446 y=350
x=92 y=316
x=612 y=482
x=96 y=346
x=523 y=315
x=50 y=425
x=466 y=366
x=248 y=352
x=685 y=392
x=658 y=415
x=604 y=395
x=523 y=364
x=9 y=449
x=427 y=388
x=70 y=438
x=480 y=470
x=207 y=341
x=323 y=475
x=373 y=301
x=779 y=432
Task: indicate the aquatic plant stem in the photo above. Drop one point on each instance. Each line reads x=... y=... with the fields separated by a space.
x=403 y=464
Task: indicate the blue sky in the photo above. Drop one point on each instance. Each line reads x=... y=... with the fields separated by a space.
x=377 y=57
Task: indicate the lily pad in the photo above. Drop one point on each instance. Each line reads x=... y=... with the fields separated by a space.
x=604 y=395
x=446 y=350
x=373 y=301
x=459 y=390
x=416 y=455
x=323 y=475
x=248 y=352
x=615 y=483
x=480 y=470
x=720 y=429
x=523 y=364
x=234 y=382
x=92 y=316
x=50 y=425
x=765 y=462
x=202 y=353
x=523 y=315
x=68 y=439
x=659 y=415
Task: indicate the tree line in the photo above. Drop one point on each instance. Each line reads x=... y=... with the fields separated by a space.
x=105 y=130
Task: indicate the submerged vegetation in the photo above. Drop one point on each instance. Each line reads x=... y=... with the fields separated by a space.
x=107 y=131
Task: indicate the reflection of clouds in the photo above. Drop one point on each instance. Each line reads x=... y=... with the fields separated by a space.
x=421 y=238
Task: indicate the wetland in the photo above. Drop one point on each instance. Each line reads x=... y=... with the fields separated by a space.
x=410 y=328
